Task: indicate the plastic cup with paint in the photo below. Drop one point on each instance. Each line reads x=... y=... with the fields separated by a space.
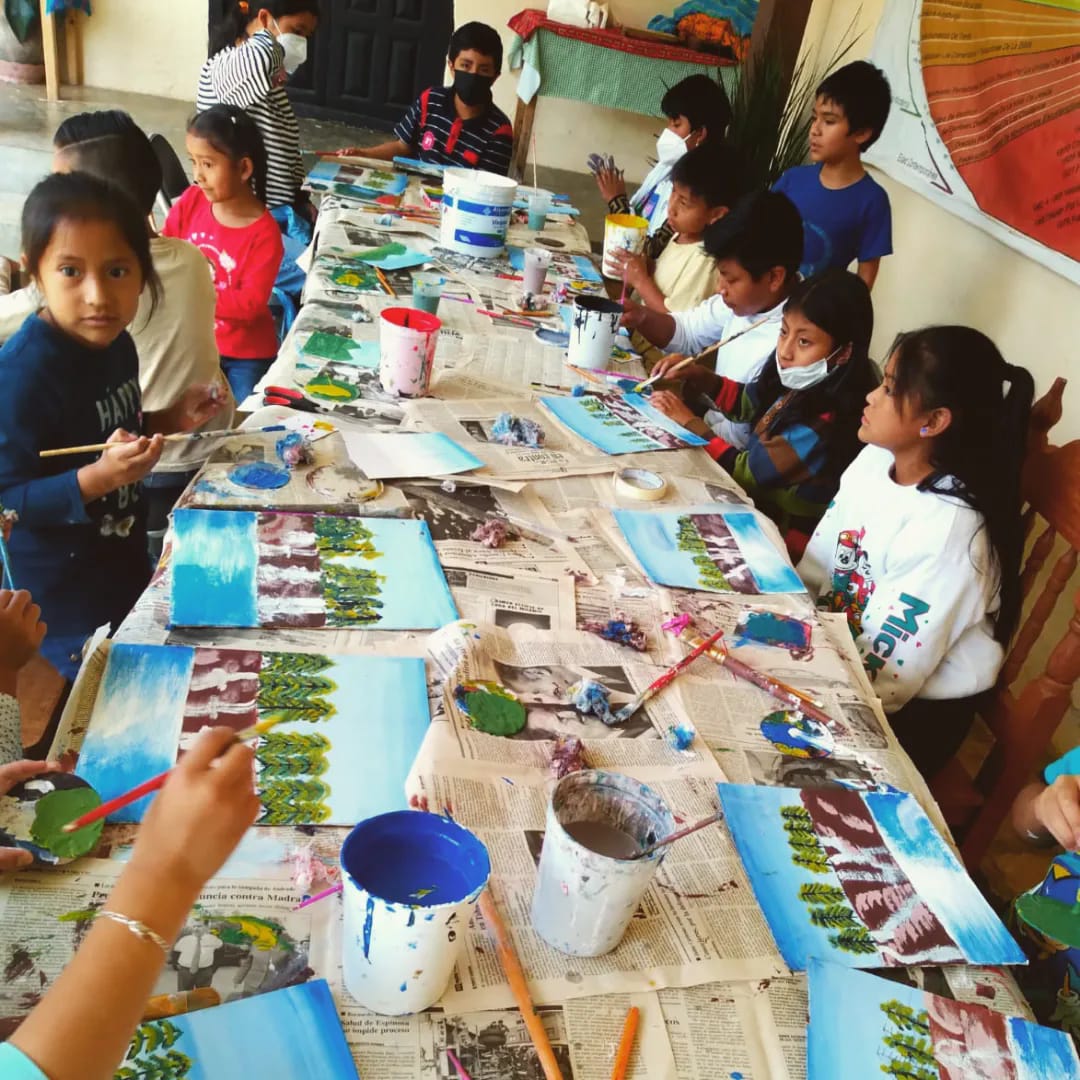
x=407 y=340
x=592 y=332
x=622 y=232
x=427 y=290
x=537 y=261
x=539 y=205
x=589 y=886
x=409 y=883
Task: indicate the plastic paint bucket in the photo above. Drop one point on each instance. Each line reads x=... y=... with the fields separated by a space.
x=592 y=331
x=407 y=340
x=409 y=883
x=585 y=899
x=537 y=261
x=622 y=232
x=476 y=211
x=427 y=291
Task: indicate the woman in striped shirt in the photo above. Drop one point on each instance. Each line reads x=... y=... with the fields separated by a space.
x=255 y=48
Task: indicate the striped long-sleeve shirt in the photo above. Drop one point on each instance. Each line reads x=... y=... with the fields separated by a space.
x=252 y=77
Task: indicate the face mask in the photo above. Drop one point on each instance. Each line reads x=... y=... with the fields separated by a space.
x=802 y=378
x=670 y=147
x=295 y=46
x=473 y=89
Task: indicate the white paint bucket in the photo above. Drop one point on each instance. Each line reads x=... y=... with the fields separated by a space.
x=622 y=232
x=476 y=212
x=409 y=883
x=584 y=900
x=593 y=327
x=407 y=340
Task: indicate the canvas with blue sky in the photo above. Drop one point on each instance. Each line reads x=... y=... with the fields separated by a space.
x=620 y=423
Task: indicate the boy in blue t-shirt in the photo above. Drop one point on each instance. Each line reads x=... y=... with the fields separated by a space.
x=845 y=212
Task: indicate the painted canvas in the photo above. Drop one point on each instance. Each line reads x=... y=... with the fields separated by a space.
x=342 y=350
x=707 y=548
x=860 y=878
x=316 y=765
x=407 y=455
x=864 y=1025
x=245 y=569
x=290 y=1034
x=620 y=423
x=358 y=182
x=336 y=277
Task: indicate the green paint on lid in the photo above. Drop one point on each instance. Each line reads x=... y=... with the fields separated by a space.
x=1053 y=919
x=57 y=809
x=491 y=708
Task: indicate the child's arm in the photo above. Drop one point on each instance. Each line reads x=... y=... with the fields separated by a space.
x=634 y=270
x=253 y=279
x=868 y=271
x=405 y=141
x=876 y=238
x=192 y=825
x=1042 y=811
x=386 y=151
x=497 y=152
x=21 y=635
x=246 y=75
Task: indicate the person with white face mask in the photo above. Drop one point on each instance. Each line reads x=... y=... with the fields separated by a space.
x=803 y=407
x=254 y=51
x=696 y=109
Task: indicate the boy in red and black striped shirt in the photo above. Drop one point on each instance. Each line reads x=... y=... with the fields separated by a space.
x=458 y=124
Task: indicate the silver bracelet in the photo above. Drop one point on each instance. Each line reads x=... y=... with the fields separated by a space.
x=139 y=929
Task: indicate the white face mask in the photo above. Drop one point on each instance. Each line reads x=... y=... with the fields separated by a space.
x=670 y=147
x=295 y=46
x=802 y=378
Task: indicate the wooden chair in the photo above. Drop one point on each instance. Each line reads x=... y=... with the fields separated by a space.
x=1023 y=718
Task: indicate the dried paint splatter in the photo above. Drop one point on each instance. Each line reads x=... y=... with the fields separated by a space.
x=20 y=964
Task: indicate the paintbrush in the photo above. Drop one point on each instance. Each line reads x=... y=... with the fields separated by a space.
x=148 y=787
x=671 y=838
x=626 y=1044
x=686 y=361
x=332 y=891
x=536 y=185
x=7 y=581
x=664 y=681
x=385 y=283
x=516 y=978
x=190 y=436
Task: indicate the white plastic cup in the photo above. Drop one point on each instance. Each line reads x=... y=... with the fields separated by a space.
x=407 y=341
x=410 y=881
x=539 y=205
x=427 y=290
x=584 y=900
x=622 y=232
x=476 y=212
x=593 y=327
x=537 y=261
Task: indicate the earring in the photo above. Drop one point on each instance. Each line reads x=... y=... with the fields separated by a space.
x=924 y=431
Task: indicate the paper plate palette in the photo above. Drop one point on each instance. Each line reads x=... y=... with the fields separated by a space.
x=32 y=812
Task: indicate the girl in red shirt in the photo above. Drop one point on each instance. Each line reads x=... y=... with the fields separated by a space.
x=224 y=215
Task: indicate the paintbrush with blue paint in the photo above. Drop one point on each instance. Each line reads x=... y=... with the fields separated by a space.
x=186 y=436
x=7 y=519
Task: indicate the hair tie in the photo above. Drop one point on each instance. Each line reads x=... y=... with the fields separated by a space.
x=245 y=7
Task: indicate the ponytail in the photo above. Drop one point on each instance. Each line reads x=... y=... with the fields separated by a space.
x=235 y=16
x=979 y=457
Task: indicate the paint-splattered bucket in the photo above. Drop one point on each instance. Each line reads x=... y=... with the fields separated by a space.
x=584 y=900
x=622 y=232
x=476 y=212
x=407 y=340
x=592 y=332
x=410 y=882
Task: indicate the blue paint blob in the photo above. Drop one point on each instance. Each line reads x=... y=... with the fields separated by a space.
x=403 y=987
x=369 y=918
x=797 y=735
x=680 y=736
x=257 y=474
x=412 y=919
x=560 y=339
x=578 y=391
x=410 y=857
x=777 y=630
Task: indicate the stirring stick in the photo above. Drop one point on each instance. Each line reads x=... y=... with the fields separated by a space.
x=622 y=298
x=536 y=185
x=626 y=1044
x=6 y=580
x=516 y=978
x=670 y=839
x=704 y=352
x=458 y=1067
x=385 y=283
x=187 y=436
x=332 y=891
x=147 y=787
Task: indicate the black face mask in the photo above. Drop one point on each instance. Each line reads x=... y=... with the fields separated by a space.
x=473 y=89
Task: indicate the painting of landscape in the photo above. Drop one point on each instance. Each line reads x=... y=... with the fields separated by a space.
x=620 y=423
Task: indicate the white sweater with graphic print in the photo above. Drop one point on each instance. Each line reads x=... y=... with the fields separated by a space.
x=915 y=575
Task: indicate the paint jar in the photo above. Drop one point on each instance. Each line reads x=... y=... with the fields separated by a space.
x=586 y=894
x=537 y=261
x=409 y=883
x=539 y=204
x=622 y=232
x=427 y=292
x=407 y=340
x=592 y=331
x=476 y=212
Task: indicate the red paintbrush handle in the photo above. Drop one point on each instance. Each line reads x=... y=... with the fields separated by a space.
x=147 y=787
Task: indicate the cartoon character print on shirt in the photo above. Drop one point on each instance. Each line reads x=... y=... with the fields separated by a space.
x=222 y=264
x=852 y=580
x=118 y=409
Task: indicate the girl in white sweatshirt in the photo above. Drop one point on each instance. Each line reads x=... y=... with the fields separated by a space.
x=921 y=547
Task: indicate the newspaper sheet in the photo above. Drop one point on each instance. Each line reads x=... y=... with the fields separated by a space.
x=524 y=607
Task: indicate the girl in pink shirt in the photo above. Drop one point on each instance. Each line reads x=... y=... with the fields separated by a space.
x=224 y=215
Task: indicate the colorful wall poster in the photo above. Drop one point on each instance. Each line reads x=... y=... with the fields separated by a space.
x=620 y=423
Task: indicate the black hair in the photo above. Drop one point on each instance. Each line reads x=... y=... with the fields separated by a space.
x=978 y=457
x=838 y=302
x=711 y=171
x=127 y=160
x=232 y=132
x=703 y=101
x=79 y=196
x=480 y=38
x=863 y=92
x=234 y=16
x=93 y=125
x=762 y=230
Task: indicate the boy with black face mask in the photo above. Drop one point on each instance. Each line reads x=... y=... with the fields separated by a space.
x=458 y=124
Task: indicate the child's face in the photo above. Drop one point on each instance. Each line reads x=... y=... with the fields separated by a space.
x=304 y=23
x=745 y=294
x=801 y=342
x=91 y=281
x=218 y=176
x=689 y=214
x=887 y=421
x=831 y=137
x=476 y=62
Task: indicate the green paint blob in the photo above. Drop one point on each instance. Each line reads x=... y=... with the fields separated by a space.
x=1053 y=919
x=54 y=811
x=491 y=708
x=331 y=389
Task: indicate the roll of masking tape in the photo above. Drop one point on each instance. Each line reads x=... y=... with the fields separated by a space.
x=640 y=484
